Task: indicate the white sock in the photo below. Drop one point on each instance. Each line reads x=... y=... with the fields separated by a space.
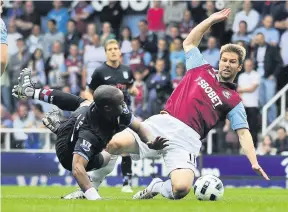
x=36 y=93
x=92 y=194
x=166 y=189
x=99 y=175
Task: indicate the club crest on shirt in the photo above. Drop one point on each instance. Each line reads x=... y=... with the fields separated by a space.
x=86 y=145
x=227 y=94
x=125 y=75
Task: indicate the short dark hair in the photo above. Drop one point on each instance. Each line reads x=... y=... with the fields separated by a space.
x=52 y=21
x=282 y=128
x=106 y=95
x=39 y=107
x=144 y=21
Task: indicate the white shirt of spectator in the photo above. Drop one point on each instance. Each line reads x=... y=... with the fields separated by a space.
x=252 y=20
x=12 y=40
x=20 y=124
x=284 y=47
x=260 y=60
x=246 y=80
x=91 y=62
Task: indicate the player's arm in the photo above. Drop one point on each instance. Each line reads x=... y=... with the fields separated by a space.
x=146 y=136
x=238 y=119
x=127 y=119
x=4 y=47
x=83 y=152
x=195 y=36
x=96 y=81
x=133 y=91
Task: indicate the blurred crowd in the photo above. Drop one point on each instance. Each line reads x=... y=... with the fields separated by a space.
x=64 y=47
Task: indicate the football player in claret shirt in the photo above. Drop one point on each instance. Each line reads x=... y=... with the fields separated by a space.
x=200 y=100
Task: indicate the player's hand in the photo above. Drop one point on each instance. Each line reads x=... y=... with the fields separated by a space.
x=260 y=171
x=158 y=144
x=220 y=16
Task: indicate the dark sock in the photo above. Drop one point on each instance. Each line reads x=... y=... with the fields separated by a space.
x=126 y=167
x=65 y=101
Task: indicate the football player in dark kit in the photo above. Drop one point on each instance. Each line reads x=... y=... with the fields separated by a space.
x=114 y=73
x=82 y=137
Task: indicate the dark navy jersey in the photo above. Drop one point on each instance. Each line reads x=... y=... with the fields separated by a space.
x=92 y=132
x=120 y=77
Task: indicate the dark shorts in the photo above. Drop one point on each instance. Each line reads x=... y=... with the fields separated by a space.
x=65 y=148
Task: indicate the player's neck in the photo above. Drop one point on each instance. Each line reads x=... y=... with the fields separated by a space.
x=115 y=64
x=220 y=79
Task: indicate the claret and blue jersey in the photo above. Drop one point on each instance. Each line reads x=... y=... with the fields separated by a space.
x=200 y=100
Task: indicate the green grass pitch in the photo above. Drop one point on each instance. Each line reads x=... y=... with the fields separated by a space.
x=47 y=199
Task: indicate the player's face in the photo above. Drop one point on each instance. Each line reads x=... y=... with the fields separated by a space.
x=113 y=52
x=117 y=107
x=229 y=66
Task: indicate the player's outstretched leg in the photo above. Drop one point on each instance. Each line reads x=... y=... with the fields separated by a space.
x=26 y=89
x=175 y=188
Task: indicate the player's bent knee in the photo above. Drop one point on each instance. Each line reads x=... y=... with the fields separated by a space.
x=114 y=146
x=180 y=190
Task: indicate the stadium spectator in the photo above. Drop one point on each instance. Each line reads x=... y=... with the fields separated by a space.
x=38 y=113
x=173 y=12
x=265 y=147
x=247 y=14
x=155 y=18
x=16 y=10
x=235 y=6
x=180 y=72
x=268 y=64
x=281 y=17
x=186 y=25
x=218 y=29
x=139 y=59
x=113 y=14
x=176 y=56
x=283 y=76
x=72 y=36
x=35 y=40
x=87 y=38
x=17 y=62
x=55 y=66
x=197 y=11
x=162 y=53
x=158 y=85
x=272 y=35
x=125 y=44
x=12 y=38
x=73 y=73
x=50 y=37
x=6 y=91
x=281 y=143
x=81 y=14
x=90 y=61
x=211 y=54
x=6 y=118
x=148 y=40
x=60 y=15
x=26 y=21
x=106 y=33
x=242 y=34
x=37 y=67
x=173 y=32
x=6 y=122
x=22 y=119
x=248 y=87
x=139 y=102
